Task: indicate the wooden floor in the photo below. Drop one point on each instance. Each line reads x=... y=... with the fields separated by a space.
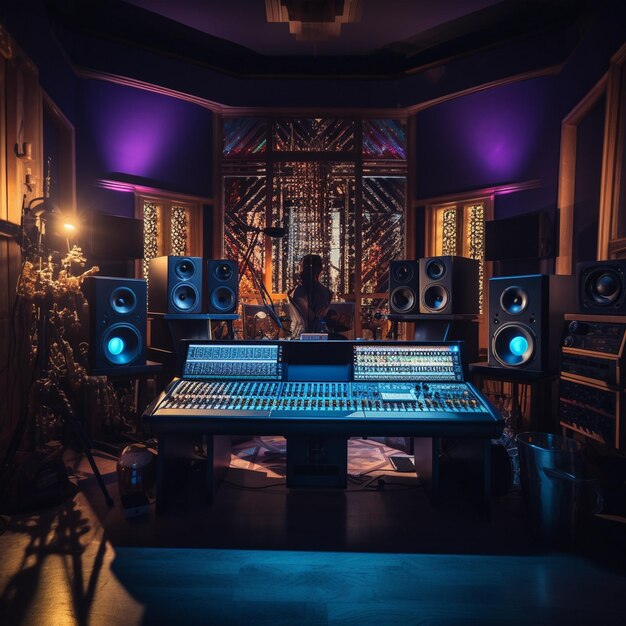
x=263 y=555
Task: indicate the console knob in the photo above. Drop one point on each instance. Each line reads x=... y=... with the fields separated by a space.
x=579 y=328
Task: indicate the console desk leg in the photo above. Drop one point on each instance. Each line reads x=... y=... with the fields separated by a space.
x=217 y=462
x=426 y=455
x=485 y=503
x=174 y=453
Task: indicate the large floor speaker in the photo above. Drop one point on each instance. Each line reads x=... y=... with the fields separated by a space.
x=449 y=285
x=117 y=323
x=175 y=284
x=601 y=287
x=222 y=286
x=526 y=320
x=404 y=287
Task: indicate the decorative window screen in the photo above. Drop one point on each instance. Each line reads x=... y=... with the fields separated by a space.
x=460 y=231
x=168 y=229
x=337 y=185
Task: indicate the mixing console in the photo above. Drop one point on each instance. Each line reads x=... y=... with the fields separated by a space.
x=386 y=381
x=271 y=399
x=318 y=394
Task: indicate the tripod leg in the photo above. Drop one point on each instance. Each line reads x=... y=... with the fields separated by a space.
x=82 y=435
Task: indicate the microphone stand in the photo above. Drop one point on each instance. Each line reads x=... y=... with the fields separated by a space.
x=264 y=293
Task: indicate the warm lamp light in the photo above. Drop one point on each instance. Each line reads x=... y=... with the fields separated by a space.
x=53 y=227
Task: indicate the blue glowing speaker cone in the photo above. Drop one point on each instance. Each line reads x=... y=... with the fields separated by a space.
x=518 y=345
x=116 y=345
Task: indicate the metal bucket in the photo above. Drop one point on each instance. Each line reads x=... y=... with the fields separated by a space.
x=558 y=496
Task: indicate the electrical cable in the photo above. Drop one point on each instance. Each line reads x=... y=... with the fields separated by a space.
x=246 y=487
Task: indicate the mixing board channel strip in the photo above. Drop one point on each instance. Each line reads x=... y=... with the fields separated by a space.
x=337 y=399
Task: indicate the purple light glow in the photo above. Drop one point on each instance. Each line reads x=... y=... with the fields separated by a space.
x=501 y=129
x=496 y=136
x=135 y=132
x=499 y=138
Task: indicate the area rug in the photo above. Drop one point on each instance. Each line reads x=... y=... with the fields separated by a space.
x=268 y=455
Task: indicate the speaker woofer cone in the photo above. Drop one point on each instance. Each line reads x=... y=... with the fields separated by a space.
x=514 y=300
x=123 y=300
x=223 y=271
x=403 y=299
x=435 y=269
x=513 y=345
x=223 y=299
x=604 y=285
x=435 y=298
x=403 y=273
x=184 y=297
x=121 y=344
x=185 y=269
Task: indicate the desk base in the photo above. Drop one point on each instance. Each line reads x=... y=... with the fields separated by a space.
x=313 y=461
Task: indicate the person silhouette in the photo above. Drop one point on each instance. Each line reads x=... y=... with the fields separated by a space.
x=309 y=298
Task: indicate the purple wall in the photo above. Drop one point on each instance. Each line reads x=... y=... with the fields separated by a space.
x=502 y=135
x=138 y=136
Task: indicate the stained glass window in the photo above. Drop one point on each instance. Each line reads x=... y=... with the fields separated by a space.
x=313 y=134
x=244 y=137
x=384 y=139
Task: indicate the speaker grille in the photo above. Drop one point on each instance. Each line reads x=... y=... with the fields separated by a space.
x=513 y=345
x=123 y=300
x=185 y=297
x=435 y=297
x=184 y=269
x=404 y=287
x=402 y=272
x=223 y=299
x=403 y=299
x=435 y=269
x=223 y=271
x=121 y=344
x=514 y=300
x=222 y=286
x=602 y=287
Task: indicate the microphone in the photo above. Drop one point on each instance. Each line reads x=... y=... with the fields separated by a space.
x=271 y=231
x=278 y=232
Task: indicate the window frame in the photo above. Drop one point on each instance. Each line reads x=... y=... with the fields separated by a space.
x=354 y=156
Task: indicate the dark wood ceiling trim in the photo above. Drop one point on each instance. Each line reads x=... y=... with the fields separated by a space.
x=234 y=111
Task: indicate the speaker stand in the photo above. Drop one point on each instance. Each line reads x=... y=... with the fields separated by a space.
x=188 y=326
x=543 y=399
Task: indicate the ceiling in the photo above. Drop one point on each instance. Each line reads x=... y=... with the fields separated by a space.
x=382 y=23
x=391 y=38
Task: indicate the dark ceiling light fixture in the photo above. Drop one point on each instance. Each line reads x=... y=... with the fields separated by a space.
x=313 y=20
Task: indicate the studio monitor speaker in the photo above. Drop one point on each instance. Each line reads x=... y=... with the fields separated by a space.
x=601 y=287
x=404 y=287
x=222 y=286
x=175 y=285
x=117 y=322
x=449 y=285
x=526 y=320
